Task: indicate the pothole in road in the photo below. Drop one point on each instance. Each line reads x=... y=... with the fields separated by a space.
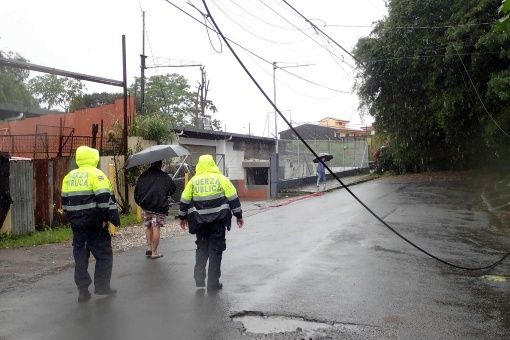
x=258 y=323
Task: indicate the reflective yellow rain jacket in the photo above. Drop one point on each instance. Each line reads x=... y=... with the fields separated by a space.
x=86 y=191
x=209 y=196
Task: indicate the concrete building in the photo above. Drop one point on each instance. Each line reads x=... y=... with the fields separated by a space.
x=245 y=159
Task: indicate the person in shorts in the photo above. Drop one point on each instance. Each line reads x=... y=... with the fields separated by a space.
x=152 y=190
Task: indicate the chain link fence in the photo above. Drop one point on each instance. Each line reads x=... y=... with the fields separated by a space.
x=296 y=161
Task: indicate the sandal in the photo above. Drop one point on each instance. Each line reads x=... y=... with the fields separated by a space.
x=148 y=253
x=157 y=256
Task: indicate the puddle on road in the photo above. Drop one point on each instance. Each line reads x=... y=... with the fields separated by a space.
x=278 y=324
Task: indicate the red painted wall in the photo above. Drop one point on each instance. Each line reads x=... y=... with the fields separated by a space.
x=253 y=193
x=81 y=120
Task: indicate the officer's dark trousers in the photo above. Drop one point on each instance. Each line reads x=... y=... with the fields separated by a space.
x=95 y=240
x=210 y=246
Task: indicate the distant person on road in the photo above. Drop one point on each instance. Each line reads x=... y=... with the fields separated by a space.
x=152 y=190
x=89 y=204
x=207 y=204
x=321 y=175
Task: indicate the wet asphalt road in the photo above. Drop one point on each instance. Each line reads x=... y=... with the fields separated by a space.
x=324 y=258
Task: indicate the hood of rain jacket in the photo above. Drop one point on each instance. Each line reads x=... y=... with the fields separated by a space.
x=86 y=156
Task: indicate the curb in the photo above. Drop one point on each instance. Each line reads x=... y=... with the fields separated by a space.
x=492 y=209
x=308 y=194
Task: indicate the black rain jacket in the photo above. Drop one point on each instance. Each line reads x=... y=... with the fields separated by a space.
x=152 y=190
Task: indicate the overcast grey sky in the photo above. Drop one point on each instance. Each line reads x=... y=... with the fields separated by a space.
x=85 y=36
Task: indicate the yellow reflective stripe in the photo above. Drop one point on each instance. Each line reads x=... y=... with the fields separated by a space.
x=80 y=206
x=209 y=211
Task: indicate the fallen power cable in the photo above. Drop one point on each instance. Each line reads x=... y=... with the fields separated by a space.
x=326 y=166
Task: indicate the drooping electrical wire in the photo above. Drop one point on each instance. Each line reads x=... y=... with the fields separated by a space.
x=165 y=99
x=303 y=32
x=256 y=55
x=262 y=20
x=409 y=27
x=321 y=31
x=478 y=95
x=331 y=172
x=250 y=31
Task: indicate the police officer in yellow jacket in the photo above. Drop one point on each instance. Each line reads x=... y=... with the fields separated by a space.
x=89 y=204
x=207 y=204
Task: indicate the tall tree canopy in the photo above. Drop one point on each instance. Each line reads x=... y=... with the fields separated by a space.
x=13 y=84
x=171 y=94
x=436 y=78
x=95 y=99
x=55 y=91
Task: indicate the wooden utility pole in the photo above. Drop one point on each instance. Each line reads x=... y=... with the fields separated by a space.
x=125 y=128
x=201 y=99
x=142 y=68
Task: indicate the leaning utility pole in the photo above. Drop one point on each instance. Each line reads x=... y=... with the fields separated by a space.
x=201 y=101
x=142 y=68
x=125 y=129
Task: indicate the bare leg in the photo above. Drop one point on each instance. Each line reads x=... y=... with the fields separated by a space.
x=148 y=237
x=155 y=240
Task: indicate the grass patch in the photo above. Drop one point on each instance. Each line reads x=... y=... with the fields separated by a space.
x=128 y=219
x=50 y=235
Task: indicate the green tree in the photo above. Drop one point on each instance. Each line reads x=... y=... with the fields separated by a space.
x=55 y=91
x=93 y=100
x=504 y=23
x=170 y=94
x=13 y=84
x=153 y=126
x=423 y=68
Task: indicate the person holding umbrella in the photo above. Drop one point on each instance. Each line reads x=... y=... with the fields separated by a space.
x=321 y=170
x=152 y=190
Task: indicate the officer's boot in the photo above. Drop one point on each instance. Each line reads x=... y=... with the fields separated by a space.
x=108 y=291
x=83 y=295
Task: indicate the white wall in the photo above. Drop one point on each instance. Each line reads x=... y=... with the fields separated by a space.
x=234 y=162
x=233 y=159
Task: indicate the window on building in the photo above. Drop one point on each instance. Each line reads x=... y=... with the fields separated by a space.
x=257 y=176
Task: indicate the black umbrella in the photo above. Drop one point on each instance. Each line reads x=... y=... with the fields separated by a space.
x=325 y=157
x=155 y=153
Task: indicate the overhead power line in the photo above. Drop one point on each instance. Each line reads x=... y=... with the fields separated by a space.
x=255 y=54
x=260 y=19
x=250 y=31
x=306 y=34
x=478 y=95
x=409 y=27
x=318 y=29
